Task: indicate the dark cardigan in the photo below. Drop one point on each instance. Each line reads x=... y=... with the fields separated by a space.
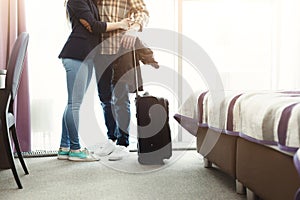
x=123 y=68
x=81 y=41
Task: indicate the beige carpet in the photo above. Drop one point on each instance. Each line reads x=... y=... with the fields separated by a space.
x=180 y=178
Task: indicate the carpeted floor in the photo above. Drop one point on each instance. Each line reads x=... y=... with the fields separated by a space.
x=182 y=177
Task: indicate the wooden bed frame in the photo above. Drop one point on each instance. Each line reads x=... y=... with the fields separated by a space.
x=262 y=172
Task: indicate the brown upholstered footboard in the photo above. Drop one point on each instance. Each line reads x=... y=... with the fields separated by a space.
x=269 y=173
x=223 y=153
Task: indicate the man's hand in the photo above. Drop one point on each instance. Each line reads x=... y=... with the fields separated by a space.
x=128 y=39
x=124 y=24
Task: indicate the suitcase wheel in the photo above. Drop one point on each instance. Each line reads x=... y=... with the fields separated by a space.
x=150 y=162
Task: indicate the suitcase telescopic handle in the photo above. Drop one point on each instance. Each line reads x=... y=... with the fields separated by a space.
x=136 y=80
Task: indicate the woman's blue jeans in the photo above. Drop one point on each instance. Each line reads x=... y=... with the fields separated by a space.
x=78 y=78
x=114 y=100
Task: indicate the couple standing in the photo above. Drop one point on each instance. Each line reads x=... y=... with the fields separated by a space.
x=94 y=21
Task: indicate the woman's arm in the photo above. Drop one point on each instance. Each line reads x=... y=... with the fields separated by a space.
x=82 y=11
x=124 y=24
x=110 y=26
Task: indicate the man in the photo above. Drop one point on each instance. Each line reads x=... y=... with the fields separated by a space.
x=115 y=103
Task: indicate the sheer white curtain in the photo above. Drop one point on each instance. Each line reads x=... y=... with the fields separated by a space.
x=289 y=45
x=254 y=44
x=48 y=29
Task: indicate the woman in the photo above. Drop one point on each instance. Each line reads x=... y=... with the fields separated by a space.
x=86 y=27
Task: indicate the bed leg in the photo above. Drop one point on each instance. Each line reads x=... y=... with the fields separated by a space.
x=251 y=195
x=207 y=163
x=240 y=188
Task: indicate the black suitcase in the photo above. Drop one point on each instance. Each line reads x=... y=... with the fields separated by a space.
x=153 y=131
x=154 y=135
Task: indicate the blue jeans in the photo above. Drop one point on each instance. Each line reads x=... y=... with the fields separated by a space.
x=78 y=78
x=114 y=101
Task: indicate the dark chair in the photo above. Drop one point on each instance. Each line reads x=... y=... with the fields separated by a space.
x=7 y=97
x=297 y=195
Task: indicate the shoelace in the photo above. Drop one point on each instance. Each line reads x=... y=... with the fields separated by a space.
x=87 y=152
x=119 y=149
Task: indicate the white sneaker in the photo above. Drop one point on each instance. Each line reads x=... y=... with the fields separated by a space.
x=107 y=149
x=82 y=156
x=119 y=153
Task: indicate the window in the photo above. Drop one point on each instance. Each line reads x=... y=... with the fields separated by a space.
x=253 y=44
x=47 y=76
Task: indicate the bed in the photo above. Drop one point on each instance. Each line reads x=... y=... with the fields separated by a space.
x=253 y=136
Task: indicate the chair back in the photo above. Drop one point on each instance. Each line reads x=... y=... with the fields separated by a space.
x=15 y=64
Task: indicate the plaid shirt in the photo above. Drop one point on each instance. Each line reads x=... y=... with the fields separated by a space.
x=114 y=11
